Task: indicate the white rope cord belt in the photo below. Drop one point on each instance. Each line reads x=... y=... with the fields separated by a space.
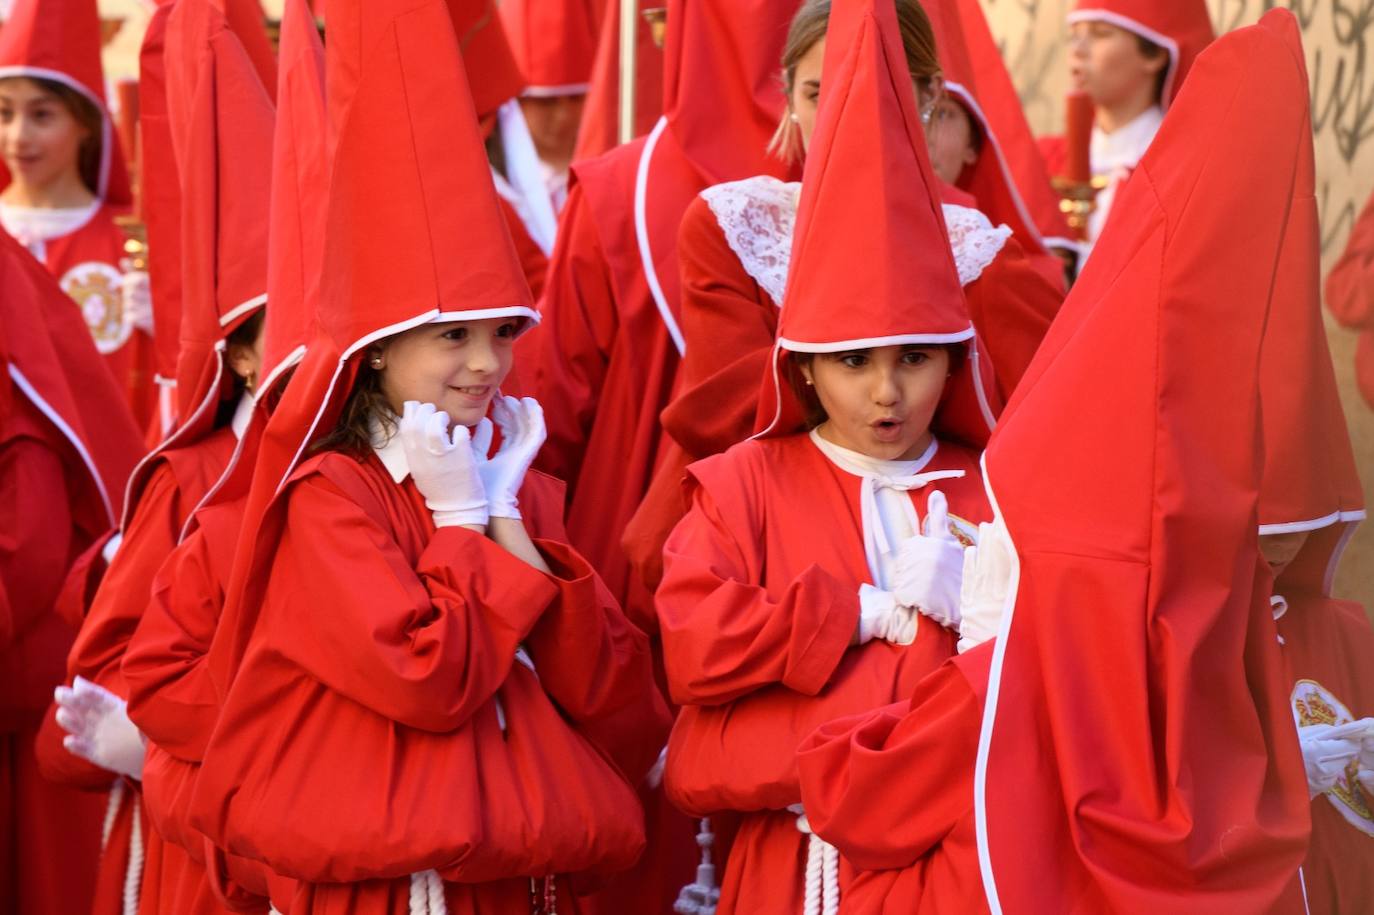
x=133 y=876
x=427 y=894
x=822 y=870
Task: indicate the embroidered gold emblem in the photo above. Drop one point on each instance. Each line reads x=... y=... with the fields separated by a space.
x=1314 y=704
x=95 y=287
x=964 y=531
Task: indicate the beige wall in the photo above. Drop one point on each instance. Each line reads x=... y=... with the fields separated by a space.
x=1340 y=62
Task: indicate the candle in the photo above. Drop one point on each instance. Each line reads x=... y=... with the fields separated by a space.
x=126 y=125
x=1078 y=137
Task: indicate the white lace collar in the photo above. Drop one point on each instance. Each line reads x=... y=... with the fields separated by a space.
x=1123 y=147
x=758 y=216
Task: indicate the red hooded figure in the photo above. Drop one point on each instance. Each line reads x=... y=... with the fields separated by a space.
x=224 y=157
x=1309 y=505
x=57 y=42
x=67 y=446
x=780 y=582
x=1136 y=751
x=171 y=696
x=599 y=131
x=418 y=665
x=1083 y=824
x=1350 y=296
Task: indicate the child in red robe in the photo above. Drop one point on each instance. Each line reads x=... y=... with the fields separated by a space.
x=403 y=601
x=790 y=588
x=64 y=181
x=1075 y=762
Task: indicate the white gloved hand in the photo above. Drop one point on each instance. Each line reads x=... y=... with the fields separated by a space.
x=98 y=728
x=1327 y=751
x=522 y=433
x=444 y=468
x=930 y=566
x=881 y=616
x=985 y=583
x=136 y=296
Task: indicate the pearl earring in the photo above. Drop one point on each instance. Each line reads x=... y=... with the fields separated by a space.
x=376 y=362
x=793 y=117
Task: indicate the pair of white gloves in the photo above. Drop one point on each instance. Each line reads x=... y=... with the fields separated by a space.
x=98 y=728
x=961 y=588
x=460 y=483
x=1329 y=749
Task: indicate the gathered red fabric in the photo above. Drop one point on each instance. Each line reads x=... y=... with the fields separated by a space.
x=554 y=43
x=1350 y=295
x=1109 y=786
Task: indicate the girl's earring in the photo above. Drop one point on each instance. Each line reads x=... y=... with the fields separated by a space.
x=794 y=119
x=376 y=362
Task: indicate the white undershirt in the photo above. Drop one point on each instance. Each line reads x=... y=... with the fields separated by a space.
x=33 y=227
x=1113 y=155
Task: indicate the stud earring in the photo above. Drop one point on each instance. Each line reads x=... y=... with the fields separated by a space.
x=376 y=362
x=794 y=119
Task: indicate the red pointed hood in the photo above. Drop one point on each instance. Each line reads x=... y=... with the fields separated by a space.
x=554 y=42
x=300 y=193
x=869 y=197
x=494 y=77
x=60 y=40
x=50 y=360
x=598 y=131
x=224 y=160
x=1182 y=27
x=721 y=61
x=1137 y=737
x=1009 y=180
x=249 y=24
x=393 y=260
x=161 y=194
x=1310 y=481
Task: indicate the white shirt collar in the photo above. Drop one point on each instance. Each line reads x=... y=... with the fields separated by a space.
x=1123 y=147
x=389 y=450
x=243 y=414
x=863 y=465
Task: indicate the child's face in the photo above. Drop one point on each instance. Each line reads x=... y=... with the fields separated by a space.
x=950 y=137
x=1106 y=62
x=455 y=365
x=40 y=138
x=1281 y=549
x=880 y=401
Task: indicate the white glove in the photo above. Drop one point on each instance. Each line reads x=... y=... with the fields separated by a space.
x=881 y=616
x=930 y=566
x=444 y=468
x=98 y=727
x=137 y=298
x=985 y=582
x=1325 y=753
x=522 y=433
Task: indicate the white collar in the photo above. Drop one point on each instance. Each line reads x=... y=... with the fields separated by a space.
x=1123 y=147
x=863 y=465
x=243 y=414
x=389 y=450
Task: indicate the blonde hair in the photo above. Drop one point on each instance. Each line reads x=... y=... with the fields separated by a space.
x=809 y=26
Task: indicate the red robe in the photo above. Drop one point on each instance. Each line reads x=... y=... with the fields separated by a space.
x=49 y=833
x=730 y=322
x=175 y=484
x=1350 y=295
x=1327 y=646
x=412 y=675
x=893 y=790
x=86 y=264
x=757 y=608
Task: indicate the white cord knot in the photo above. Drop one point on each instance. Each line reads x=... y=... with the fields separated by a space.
x=822 y=880
x=701 y=896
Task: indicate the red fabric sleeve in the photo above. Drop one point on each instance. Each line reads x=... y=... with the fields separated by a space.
x=171 y=697
x=724 y=636
x=35 y=535
x=885 y=787
x=577 y=330
x=1012 y=305
x=607 y=686
x=423 y=645
x=1350 y=284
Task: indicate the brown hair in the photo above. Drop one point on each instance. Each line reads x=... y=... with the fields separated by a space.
x=808 y=27
x=1150 y=51
x=89 y=116
x=366 y=406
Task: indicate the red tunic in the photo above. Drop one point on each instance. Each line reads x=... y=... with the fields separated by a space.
x=49 y=833
x=86 y=264
x=1350 y=295
x=757 y=608
x=1327 y=645
x=176 y=483
x=730 y=321
x=893 y=790
x=411 y=672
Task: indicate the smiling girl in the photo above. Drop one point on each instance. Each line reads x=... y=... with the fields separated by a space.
x=64 y=181
x=791 y=589
x=405 y=603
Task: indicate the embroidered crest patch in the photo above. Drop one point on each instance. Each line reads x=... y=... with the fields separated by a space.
x=1314 y=704
x=95 y=287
